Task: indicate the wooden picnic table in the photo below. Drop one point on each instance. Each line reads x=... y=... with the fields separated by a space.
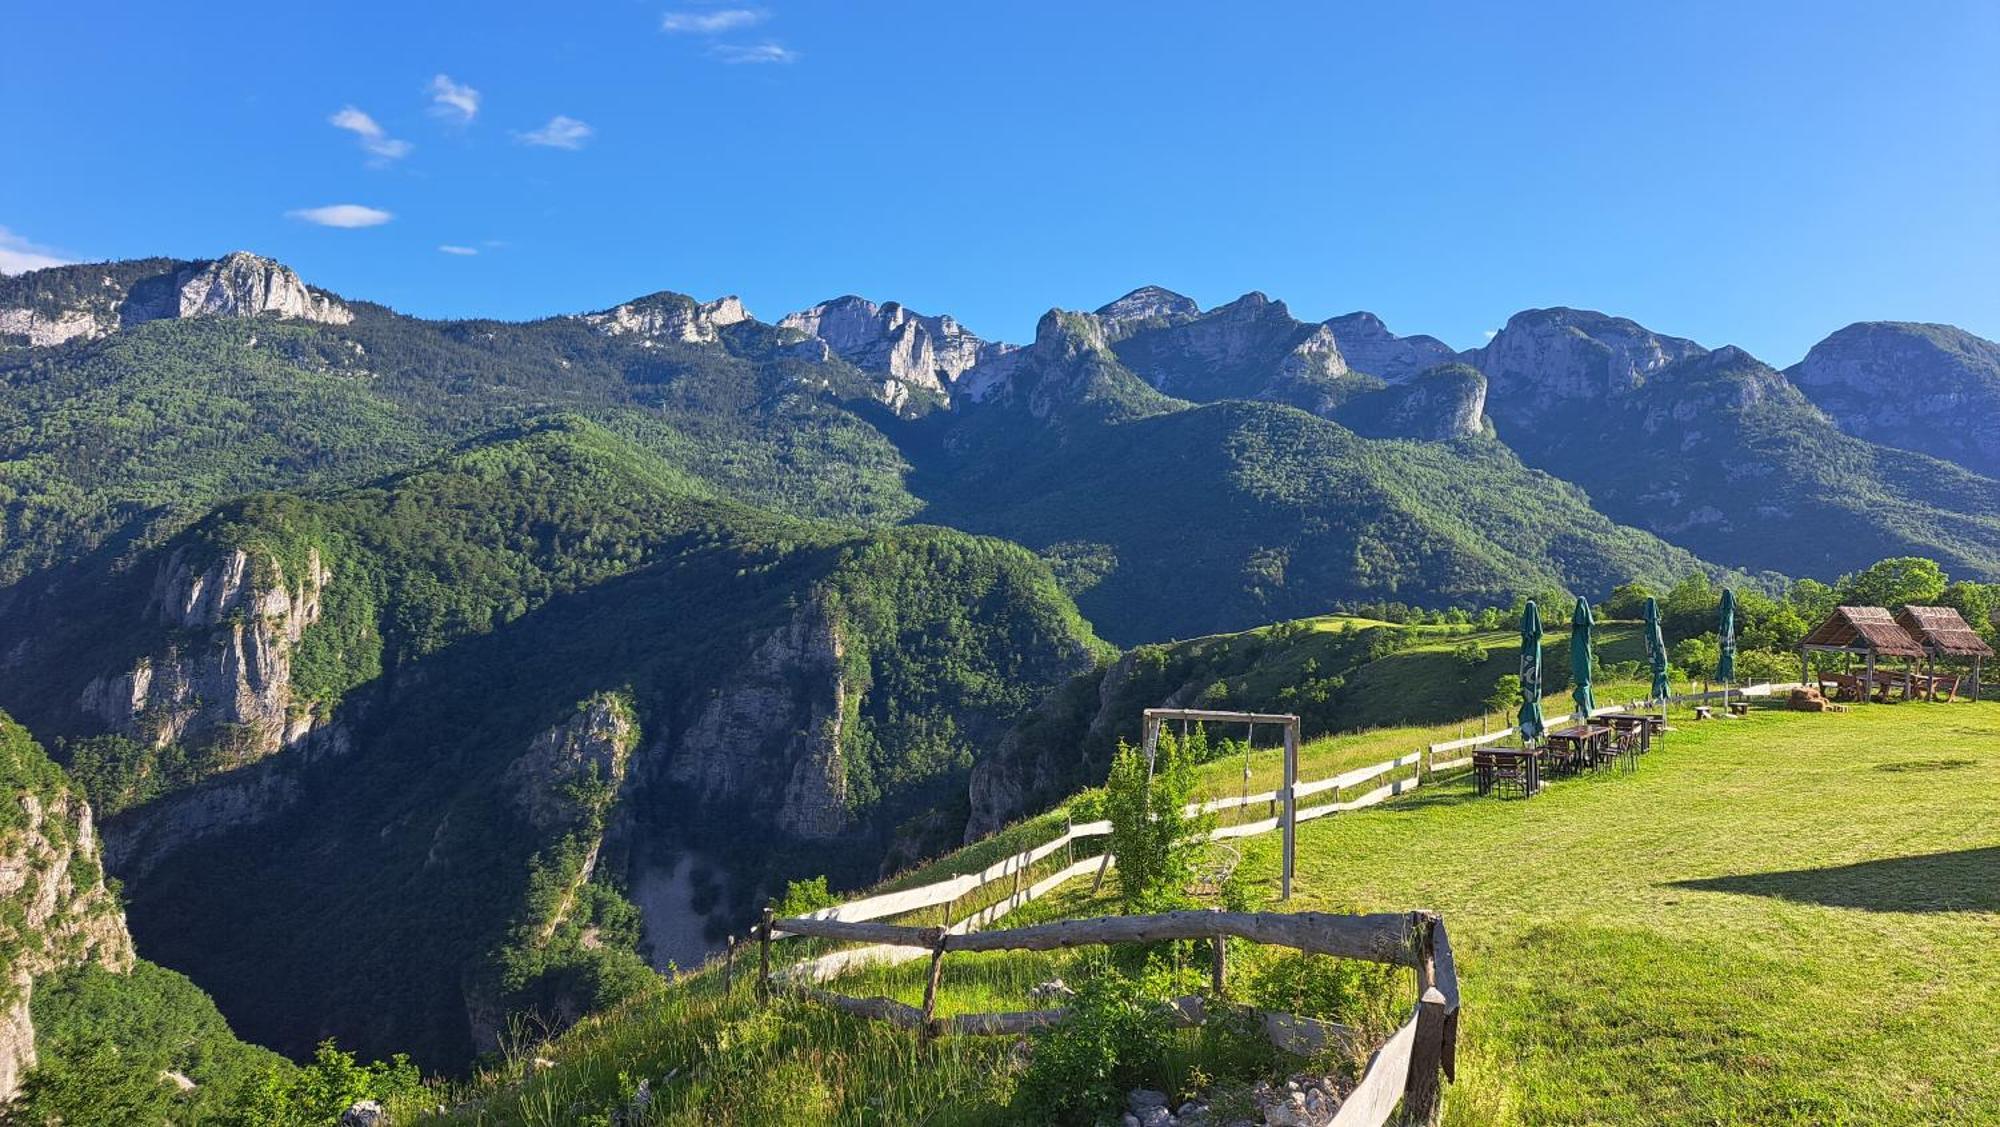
x=1647 y=724
x=1578 y=746
x=1491 y=764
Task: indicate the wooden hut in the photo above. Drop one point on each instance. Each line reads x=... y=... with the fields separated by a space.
x=1868 y=632
x=1943 y=633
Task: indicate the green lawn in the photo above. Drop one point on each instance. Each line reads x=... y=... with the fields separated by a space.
x=1785 y=919
x=1782 y=919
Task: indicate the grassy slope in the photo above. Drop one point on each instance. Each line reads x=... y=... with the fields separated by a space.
x=1786 y=919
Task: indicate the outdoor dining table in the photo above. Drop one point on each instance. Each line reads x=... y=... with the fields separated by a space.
x=1579 y=746
x=1644 y=723
x=1486 y=760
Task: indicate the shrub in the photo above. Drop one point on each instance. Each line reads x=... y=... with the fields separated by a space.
x=1153 y=838
x=1114 y=1038
x=1354 y=992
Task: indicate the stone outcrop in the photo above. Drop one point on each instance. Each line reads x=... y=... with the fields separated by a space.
x=223 y=676
x=58 y=913
x=909 y=350
x=1446 y=402
x=1370 y=347
x=1549 y=360
x=1148 y=307
x=669 y=317
x=1930 y=388
x=591 y=747
x=239 y=284
x=769 y=736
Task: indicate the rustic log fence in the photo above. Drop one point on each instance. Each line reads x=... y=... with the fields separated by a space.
x=1404 y=1071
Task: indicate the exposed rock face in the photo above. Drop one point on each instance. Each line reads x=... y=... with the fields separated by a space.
x=1244 y=350
x=1930 y=388
x=244 y=285
x=1446 y=402
x=1148 y=307
x=909 y=349
x=225 y=672
x=770 y=735
x=593 y=746
x=670 y=317
x=36 y=312
x=1011 y=781
x=1548 y=360
x=58 y=912
x=1370 y=347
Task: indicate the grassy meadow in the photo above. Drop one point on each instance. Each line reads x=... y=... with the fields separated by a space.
x=1783 y=919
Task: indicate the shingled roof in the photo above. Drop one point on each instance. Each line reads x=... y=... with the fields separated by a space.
x=1943 y=631
x=1864 y=628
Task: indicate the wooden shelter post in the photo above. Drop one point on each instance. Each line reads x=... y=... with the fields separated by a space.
x=1291 y=805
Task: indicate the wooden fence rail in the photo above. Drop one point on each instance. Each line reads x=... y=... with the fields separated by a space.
x=1407 y=1070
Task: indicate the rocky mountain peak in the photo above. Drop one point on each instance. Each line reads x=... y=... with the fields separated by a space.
x=1546 y=359
x=1370 y=347
x=241 y=284
x=1146 y=307
x=1436 y=405
x=668 y=316
x=1943 y=379
x=65 y=303
x=909 y=349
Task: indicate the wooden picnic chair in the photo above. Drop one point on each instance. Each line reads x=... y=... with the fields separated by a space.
x=1510 y=772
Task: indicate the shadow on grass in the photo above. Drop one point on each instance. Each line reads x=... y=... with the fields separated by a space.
x=1965 y=880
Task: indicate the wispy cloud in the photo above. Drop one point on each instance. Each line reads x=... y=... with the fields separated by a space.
x=375 y=140
x=710 y=22
x=465 y=252
x=18 y=255
x=342 y=215
x=453 y=101
x=737 y=53
x=560 y=133
x=1491 y=333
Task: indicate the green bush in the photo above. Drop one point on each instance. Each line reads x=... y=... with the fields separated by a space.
x=1115 y=1037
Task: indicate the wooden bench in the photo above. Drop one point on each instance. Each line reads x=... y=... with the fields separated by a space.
x=1703 y=712
x=1739 y=708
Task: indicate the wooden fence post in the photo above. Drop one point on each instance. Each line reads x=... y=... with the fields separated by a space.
x=764 y=951
x=931 y=984
x=1420 y=1092
x=1216 y=965
x=728 y=966
x=1290 y=798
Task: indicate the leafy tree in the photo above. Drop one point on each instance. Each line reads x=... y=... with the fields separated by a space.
x=1627 y=601
x=1697 y=656
x=99 y=1086
x=1506 y=695
x=1895 y=583
x=1468 y=656
x=1152 y=836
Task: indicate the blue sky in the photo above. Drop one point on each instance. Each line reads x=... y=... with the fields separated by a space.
x=1757 y=174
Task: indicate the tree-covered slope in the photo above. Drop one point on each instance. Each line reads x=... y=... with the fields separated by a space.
x=1170 y=521
x=435 y=728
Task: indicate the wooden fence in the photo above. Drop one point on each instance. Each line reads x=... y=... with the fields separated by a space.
x=1404 y=1071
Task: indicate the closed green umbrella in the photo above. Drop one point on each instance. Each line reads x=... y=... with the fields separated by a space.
x=1531 y=674
x=1725 y=665
x=1656 y=650
x=1579 y=659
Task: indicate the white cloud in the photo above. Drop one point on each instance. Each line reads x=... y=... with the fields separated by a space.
x=342 y=215
x=560 y=133
x=374 y=139
x=1491 y=333
x=453 y=101
x=759 y=53
x=18 y=255
x=710 y=23
x=448 y=248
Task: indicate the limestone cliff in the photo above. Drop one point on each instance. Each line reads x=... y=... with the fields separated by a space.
x=1370 y=347
x=769 y=735
x=1929 y=388
x=1445 y=402
x=910 y=351
x=669 y=317
x=1550 y=360
x=55 y=911
x=64 y=303
x=589 y=751
x=222 y=675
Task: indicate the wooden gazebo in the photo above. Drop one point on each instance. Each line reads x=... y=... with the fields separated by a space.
x=1942 y=632
x=1869 y=632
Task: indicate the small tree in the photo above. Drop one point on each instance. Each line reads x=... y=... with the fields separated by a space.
x=1506 y=695
x=1469 y=655
x=1152 y=836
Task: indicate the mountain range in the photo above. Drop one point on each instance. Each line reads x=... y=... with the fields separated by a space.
x=426 y=672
